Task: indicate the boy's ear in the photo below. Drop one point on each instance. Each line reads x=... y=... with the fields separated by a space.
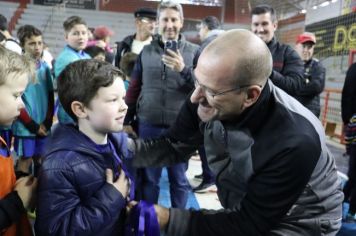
x=78 y=109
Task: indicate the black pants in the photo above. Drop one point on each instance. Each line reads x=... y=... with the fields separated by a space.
x=350 y=187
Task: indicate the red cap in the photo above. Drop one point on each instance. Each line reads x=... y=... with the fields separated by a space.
x=101 y=32
x=306 y=37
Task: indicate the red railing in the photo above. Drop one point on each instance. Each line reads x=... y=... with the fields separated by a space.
x=17 y=15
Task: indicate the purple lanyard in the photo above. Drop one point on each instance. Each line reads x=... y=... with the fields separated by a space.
x=119 y=163
x=143 y=221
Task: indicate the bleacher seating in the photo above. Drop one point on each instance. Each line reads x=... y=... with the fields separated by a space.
x=8 y=9
x=50 y=20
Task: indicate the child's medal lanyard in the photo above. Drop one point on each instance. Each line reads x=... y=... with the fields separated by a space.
x=142 y=219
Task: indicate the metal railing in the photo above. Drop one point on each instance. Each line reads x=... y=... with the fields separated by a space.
x=60 y=7
x=331 y=113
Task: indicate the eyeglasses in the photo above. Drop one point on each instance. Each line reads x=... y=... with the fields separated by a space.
x=147 y=20
x=212 y=94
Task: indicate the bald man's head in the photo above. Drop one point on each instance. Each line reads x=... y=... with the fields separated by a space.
x=250 y=58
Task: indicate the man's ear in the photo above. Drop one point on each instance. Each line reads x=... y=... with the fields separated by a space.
x=79 y=110
x=252 y=95
x=275 y=25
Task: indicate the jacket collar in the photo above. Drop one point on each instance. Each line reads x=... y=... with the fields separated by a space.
x=160 y=42
x=272 y=43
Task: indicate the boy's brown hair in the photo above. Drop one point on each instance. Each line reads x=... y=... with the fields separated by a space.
x=127 y=62
x=81 y=80
x=26 y=32
x=70 y=22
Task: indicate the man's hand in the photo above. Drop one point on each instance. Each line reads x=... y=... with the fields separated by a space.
x=121 y=184
x=26 y=189
x=173 y=60
x=162 y=216
x=128 y=129
x=161 y=212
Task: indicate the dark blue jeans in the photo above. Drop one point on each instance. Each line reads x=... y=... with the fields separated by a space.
x=208 y=175
x=149 y=183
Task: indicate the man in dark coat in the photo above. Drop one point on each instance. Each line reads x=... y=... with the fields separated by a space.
x=314 y=73
x=287 y=71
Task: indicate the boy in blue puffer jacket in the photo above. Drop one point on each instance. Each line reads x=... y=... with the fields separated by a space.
x=83 y=184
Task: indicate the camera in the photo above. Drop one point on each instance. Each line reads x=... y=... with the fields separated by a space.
x=172 y=45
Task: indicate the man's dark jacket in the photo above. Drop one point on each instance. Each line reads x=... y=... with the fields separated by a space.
x=288 y=68
x=274 y=172
x=313 y=85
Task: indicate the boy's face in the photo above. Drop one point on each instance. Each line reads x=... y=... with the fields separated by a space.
x=77 y=37
x=11 y=102
x=34 y=47
x=108 y=108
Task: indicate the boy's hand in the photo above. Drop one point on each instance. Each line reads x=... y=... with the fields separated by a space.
x=42 y=131
x=121 y=184
x=26 y=189
x=129 y=206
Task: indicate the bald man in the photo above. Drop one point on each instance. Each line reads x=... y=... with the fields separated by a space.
x=275 y=175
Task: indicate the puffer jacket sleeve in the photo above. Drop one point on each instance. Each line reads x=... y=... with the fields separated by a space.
x=60 y=210
x=178 y=144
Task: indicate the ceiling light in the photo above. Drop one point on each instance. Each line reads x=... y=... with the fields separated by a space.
x=324 y=4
